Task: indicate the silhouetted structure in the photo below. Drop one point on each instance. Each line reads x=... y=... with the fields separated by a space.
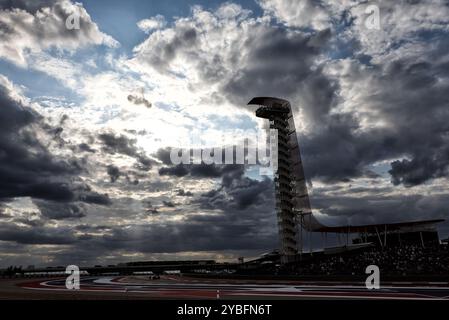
x=292 y=200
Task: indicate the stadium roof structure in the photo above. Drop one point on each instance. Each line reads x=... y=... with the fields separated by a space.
x=371 y=228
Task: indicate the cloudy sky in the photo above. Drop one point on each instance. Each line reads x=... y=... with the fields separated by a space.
x=88 y=117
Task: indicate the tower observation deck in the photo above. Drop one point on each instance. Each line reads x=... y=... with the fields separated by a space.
x=292 y=200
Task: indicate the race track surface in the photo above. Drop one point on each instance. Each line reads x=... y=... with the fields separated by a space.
x=177 y=287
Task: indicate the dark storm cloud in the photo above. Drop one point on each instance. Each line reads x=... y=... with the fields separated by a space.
x=183 y=193
x=144 y=163
x=420 y=115
x=421 y=168
x=14 y=114
x=31 y=222
x=215 y=171
x=252 y=228
x=335 y=152
x=27 y=5
x=411 y=100
x=238 y=193
x=123 y=145
x=137 y=100
x=205 y=170
x=282 y=64
x=26 y=166
x=86 y=148
x=149 y=208
x=29 y=169
x=135 y=132
x=195 y=170
x=243 y=219
x=178 y=171
x=201 y=170
x=169 y=204
x=132 y=181
x=55 y=132
x=195 y=236
x=118 y=144
x=113 y=172
x=235 y=192
x=185 y=38
x=152 y=210
x=58 y=211
x=373 y=208
x=36 y=235
x=163 y=154
x=91 y=228
x=89 y=196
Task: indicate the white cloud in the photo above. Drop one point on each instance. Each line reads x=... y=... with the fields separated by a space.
x=14 y=92
x=298 y=13
x=23 y=32
x=150 y=24
x=400 y=23
x=189 y=61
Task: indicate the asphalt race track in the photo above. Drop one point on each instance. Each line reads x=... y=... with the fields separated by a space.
x=176 y=287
